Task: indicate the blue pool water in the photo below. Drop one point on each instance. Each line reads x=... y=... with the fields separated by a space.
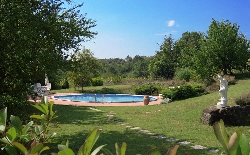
x=104 y=98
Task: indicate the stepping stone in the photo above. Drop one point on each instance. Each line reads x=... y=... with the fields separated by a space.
x=135 y=128
x=199 y=147
x=214 y=151
x=148 y=112
x=150 y=133
x=110 y=115
x=124 y=124
x=128 y=126
x=171 y=140
x=160 y=137
x=112 y=112
x=144 y=131
x=184 y=143
x=94 y=109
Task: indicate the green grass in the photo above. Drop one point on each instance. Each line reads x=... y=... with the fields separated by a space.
x=180 y=119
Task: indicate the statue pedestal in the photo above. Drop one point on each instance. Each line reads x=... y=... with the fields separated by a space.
x=231 y=115
x=222 y=103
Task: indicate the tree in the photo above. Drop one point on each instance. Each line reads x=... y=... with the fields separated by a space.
x=223 y=50
x=84 y=67
x=35 y=38
x=140 y=66
x=188 y=46
x=164 y=61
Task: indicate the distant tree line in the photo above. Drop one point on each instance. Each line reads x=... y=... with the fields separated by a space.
x=196 y=55
x=222 y=50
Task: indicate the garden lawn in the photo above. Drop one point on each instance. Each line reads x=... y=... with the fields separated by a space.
x=179 y=119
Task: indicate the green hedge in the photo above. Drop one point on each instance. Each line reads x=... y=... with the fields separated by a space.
x=183 y=92
x=97 y=81
x=108 y=91
x=147 y=89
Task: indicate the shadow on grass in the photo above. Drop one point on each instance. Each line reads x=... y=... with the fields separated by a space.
x=86 y=119
x=78 y=115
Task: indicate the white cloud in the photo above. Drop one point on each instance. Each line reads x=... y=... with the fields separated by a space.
x=170 y=23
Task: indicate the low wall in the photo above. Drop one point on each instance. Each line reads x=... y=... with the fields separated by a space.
x=231 y=115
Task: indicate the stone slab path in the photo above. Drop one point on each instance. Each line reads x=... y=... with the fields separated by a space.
x=111 y=117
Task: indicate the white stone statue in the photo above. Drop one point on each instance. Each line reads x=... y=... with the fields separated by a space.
x=46 y=80
x=223 y=92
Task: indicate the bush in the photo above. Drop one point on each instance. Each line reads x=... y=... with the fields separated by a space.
x=65 y=85
x=183 y=92
x=243 y=100
x=147 y=89
x=184 y=74
x=97 y=81
x=117 y=79
x=17 y=105
x=108 y=91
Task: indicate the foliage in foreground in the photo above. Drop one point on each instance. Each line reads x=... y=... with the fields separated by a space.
x=237 y=144
x=30 y=139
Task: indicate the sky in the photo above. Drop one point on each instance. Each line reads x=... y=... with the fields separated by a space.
x=138 y=27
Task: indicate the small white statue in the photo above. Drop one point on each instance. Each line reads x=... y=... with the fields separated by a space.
x=46 y=80
x=223 y=92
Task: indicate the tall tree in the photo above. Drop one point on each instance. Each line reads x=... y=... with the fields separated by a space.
x=84 y=67
x=188 y=46
x=164 y=61
x=140 y=66
x=224 y=49
x=35 y=37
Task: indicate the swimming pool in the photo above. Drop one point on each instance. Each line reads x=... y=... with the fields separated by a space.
x=104 y=98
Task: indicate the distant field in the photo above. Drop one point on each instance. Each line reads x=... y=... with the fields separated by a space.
x=124 y=88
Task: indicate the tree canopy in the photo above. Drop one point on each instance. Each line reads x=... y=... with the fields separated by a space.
x=164 y=62
x=84 y=67
x=187 y=47
x=35 y=37
x=223 y=49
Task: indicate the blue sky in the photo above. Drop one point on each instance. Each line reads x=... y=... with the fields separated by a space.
x=136 y=27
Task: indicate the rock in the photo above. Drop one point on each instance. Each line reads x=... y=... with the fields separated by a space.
x=231 y=115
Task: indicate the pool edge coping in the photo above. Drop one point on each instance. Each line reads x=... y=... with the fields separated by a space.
x=93 y=104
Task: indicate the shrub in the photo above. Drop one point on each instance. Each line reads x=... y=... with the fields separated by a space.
x=184 y=74
x=65 y=85
x=243 y=100
x=108 y=91
x=147 y=89
x=117 y=79
x=97 y=81
x=17 y=105
x=165 y=101
x=183 y=92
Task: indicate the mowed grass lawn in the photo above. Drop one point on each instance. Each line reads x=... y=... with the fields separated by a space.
x=179 y=119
